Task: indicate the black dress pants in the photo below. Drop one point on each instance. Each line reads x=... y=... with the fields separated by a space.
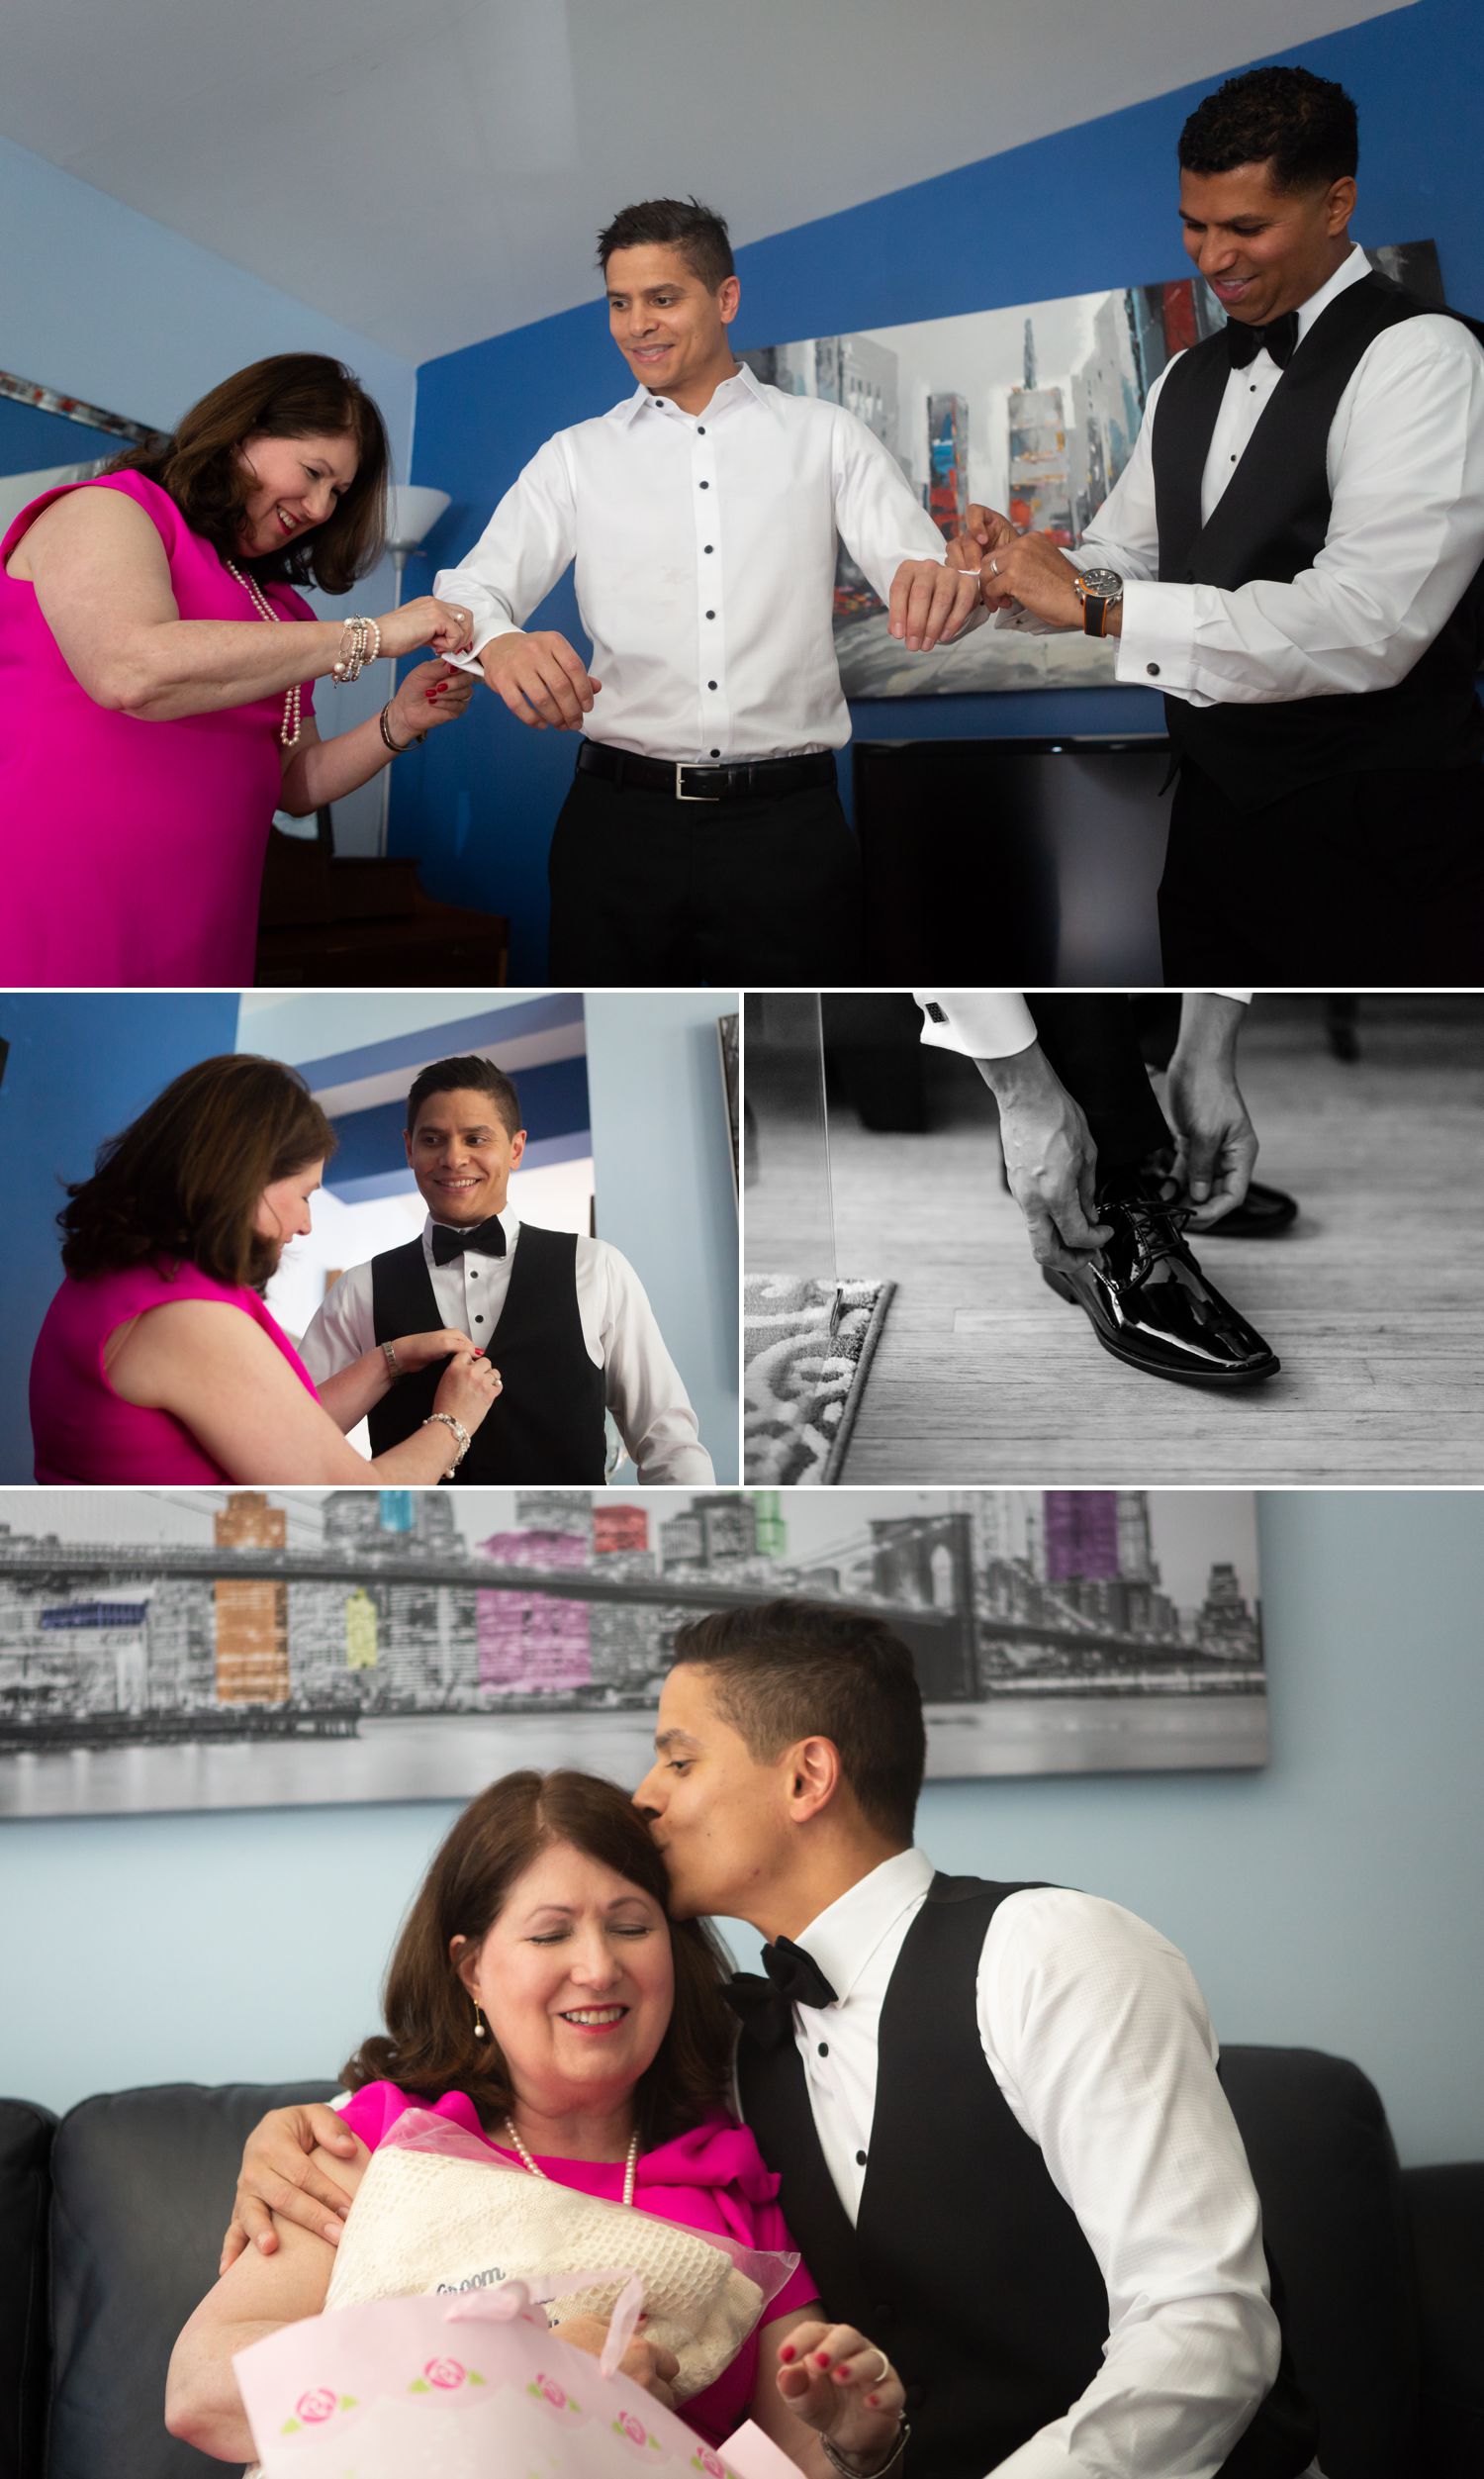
x=1093 y=1042
x=1369 y=881
x=648 y=890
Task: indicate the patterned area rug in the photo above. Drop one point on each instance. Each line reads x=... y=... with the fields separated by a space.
x=807 y=1348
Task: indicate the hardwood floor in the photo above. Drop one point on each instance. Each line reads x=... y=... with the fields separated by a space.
x=1375 y=1299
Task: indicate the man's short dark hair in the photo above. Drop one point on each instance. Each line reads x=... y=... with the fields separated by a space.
x=798 y=1670
x=458 y=1076
x=699 y=232
x=1294 y=122
x=1302 y=126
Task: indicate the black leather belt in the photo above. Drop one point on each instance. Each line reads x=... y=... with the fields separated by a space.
x=746 y=779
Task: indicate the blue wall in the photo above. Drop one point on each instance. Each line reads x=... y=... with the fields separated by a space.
x=79 y=1070
x=1331 y=1900
x=30 y=440
x=1086 y=210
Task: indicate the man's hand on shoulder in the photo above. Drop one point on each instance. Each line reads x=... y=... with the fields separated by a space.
x=931 y=599
x=278 y=2175
x=542 y=677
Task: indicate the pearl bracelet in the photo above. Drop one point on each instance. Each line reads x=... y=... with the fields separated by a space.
x=459 y=1431
x=360 y=643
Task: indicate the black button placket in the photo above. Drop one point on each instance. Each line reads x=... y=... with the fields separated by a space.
x=713 y=709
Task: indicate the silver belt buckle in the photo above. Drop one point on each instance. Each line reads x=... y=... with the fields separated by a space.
x=683 y=767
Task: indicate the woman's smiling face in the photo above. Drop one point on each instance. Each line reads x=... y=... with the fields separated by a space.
x=293 y=486
x=578 y=1981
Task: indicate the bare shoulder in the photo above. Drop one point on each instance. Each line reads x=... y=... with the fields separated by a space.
x=85 y=524
x=198 y=1338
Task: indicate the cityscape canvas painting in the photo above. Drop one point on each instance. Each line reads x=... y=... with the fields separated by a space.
x=1033 y=411
x=243 y=1648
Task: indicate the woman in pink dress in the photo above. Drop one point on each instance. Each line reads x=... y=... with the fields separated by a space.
x=158 y=1360
x=155 y=663
x=542 y=1999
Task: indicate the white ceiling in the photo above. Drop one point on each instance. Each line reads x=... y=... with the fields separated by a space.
x=428 y=177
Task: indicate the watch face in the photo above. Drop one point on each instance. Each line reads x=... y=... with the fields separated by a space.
x=1105 y=583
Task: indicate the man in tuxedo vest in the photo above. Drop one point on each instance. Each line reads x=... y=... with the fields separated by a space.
x=995 y=2109
x=565 y=1321
x=1293 y=556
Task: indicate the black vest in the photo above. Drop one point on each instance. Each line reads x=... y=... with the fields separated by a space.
x=1271 y=520
x=965 y=2263
x=546 y=1425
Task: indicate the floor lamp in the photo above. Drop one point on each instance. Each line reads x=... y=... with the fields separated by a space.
x=412 y=509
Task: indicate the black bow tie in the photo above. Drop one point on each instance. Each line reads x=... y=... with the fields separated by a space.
x=766 y=2006
x=487 y=1238
x=1280 y=336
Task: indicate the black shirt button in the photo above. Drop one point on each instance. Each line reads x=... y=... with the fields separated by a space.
x=1152 y=669
x=859 y=2161
x=1234 y=460
x=706 y=486
x=700 y=429
x=708 y=546
x=824 y=2049
x=710 y=614
x=715 y=753
x=479 y=1321
x=710 y=684
x=1253 y=389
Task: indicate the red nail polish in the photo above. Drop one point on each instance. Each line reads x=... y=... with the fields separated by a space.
x=786 y=2353
x=873 y=2401
x=821 y=2358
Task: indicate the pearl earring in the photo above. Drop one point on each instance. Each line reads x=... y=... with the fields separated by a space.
x=479 y=2023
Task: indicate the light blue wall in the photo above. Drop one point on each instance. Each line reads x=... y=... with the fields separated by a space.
x=80 y=1068
x=102 y=302
x=1332 y=1900
x=662 y=1171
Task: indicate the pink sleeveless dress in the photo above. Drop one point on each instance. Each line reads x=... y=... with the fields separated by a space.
x=130 y=852
x=82 y=1430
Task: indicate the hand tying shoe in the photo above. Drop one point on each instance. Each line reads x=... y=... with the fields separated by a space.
x=1149 y=1303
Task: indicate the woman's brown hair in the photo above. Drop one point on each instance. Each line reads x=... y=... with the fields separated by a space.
x=430 y=2045
x=185 y=1178
x=290 y=396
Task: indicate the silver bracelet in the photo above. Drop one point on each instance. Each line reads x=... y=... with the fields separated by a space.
x=459 y=1431
x=394 y=1364
x=853 y=2470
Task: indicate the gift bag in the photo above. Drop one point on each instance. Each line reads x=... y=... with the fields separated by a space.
x=435 y=2211
x=476 y=2386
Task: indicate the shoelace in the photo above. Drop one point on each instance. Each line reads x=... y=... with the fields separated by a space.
x=1159 y=1232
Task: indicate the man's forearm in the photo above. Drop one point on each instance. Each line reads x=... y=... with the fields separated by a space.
x=1211 y=1024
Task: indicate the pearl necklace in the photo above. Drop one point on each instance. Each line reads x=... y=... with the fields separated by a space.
x=289 y=732
x=630 y=2165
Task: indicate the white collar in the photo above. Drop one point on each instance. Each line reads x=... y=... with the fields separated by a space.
x=509 y=1223
x=743 y=382
x=843 y=1938
x=1350 y=271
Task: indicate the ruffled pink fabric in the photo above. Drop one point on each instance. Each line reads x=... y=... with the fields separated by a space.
x=713 y=2178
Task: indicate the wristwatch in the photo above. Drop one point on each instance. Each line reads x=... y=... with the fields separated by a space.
x=1098 y=589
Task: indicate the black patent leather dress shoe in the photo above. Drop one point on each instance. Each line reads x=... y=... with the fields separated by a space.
x=1151 y=1306
x=1262 y=1214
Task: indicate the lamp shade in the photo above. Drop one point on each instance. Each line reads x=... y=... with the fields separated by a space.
x=412 y=509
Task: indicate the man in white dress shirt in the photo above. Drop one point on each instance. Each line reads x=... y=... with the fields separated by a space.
x=702 y=839
x=1004 y=2150
x=564 y=1318
x=1292 y=555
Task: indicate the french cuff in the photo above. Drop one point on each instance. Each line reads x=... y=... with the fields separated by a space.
x=978 y=1024
x=1156 y=650
x=486 y=618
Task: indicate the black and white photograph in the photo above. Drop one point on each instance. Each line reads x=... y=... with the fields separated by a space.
x=990 y=1234
x=258 y=1649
